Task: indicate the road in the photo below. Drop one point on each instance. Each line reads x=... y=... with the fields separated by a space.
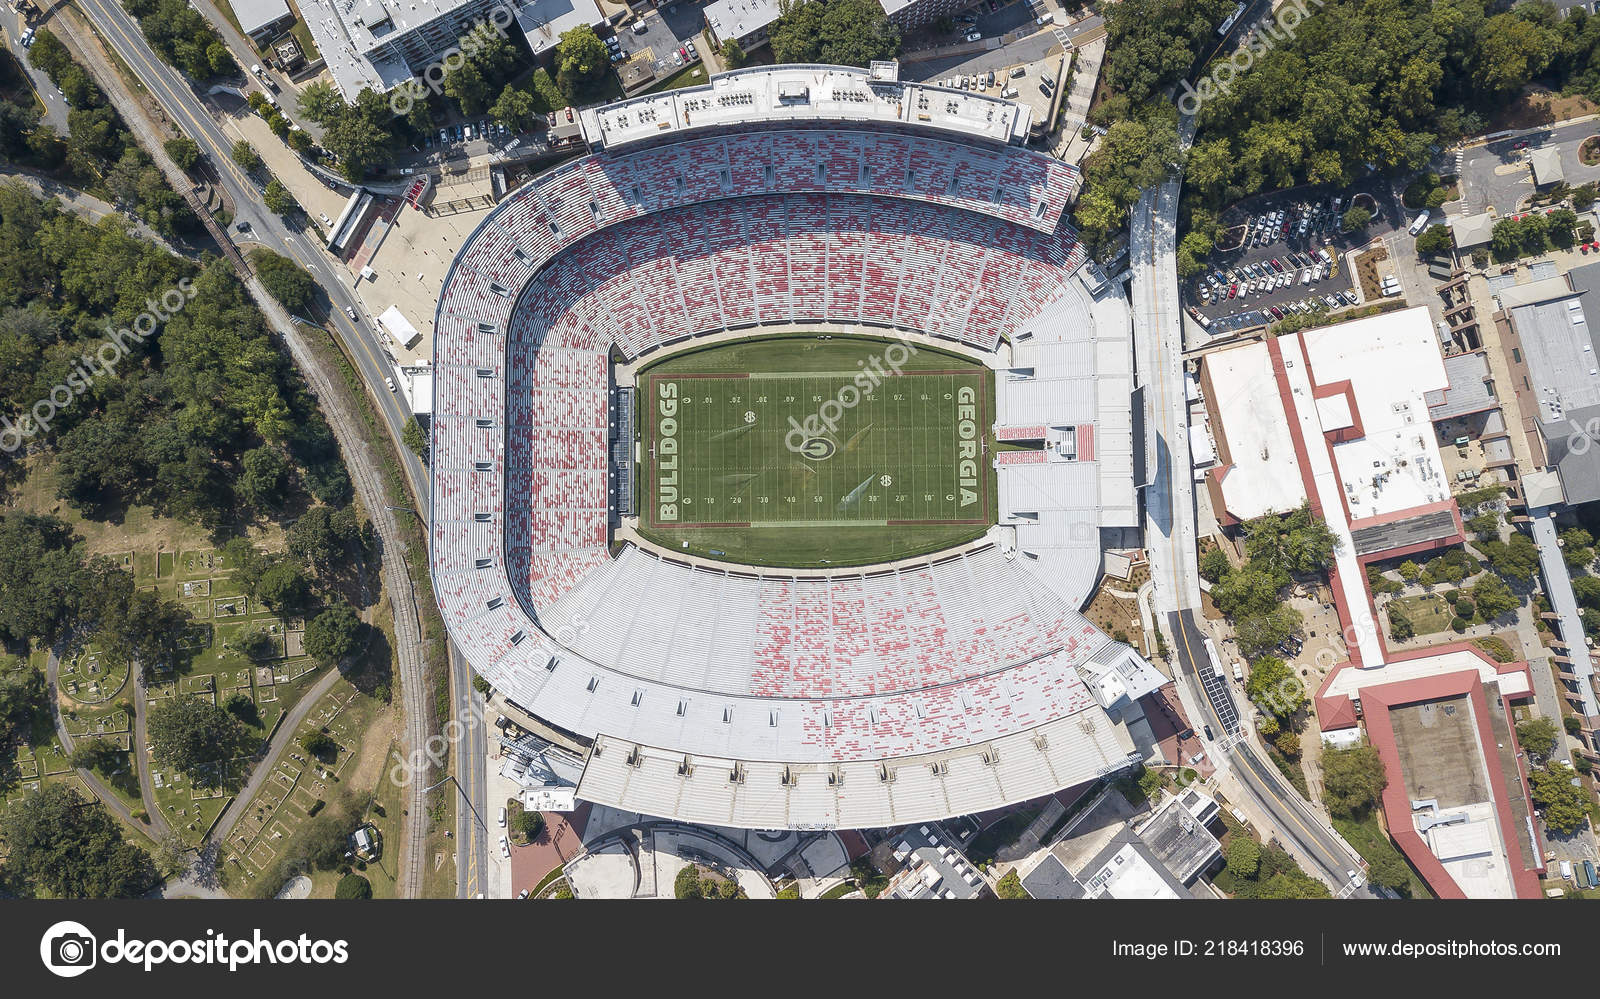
x=55 y=106
x=1170 y=536
x=1495 y=175
x=1310 y=838
x=157 y=828
x=362 y=458
x=472 y=763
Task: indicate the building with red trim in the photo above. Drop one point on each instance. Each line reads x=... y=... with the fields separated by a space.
x=1341 y=419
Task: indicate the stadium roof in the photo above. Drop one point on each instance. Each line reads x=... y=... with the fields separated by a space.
x=931 y=688
x=804 y=93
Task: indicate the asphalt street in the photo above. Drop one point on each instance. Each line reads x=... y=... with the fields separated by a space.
x=1495 y=176
x=55 y=106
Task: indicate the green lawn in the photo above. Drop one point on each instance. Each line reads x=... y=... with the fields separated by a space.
x=802 y=451
x=691 y=75
x=1371 y=842
x=1428 y=612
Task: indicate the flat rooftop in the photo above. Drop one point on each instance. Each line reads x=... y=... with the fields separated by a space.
x=802 y=93
x=1390 y=363
x=1252 y=429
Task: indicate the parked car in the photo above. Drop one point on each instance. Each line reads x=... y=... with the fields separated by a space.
x=639 y=27
x=505 y=848
x=502 y=822
x=1045 y=18
x=973 y=36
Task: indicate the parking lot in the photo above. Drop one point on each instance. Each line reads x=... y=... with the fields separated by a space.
x=1282 y=256
x=668 y=34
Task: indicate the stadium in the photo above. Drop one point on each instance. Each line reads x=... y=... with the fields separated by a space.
x=776 y=441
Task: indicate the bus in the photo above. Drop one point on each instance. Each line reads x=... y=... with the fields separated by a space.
x=1231 y=21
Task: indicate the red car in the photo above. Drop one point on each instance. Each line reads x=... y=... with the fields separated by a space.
x=1521 y=145
x=1233 y=289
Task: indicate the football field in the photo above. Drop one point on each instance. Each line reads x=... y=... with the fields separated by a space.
x=822 y=452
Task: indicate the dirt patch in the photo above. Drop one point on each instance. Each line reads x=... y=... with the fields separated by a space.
x=384 y=731
x=1589 y=152
x=1112 y=613
x=1367 y=273
x=1540 y=107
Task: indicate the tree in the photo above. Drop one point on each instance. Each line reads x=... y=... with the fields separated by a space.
x=284 y=279
x=98 y=755
x=529 y=824
x=22 y=693
x=1436 y=239
x=1356 y=218
x=1492 y=596
x=284 y=588
x=265 y=476
x=245 y=155
x=1244 y=856
x=320 y=102
x=1538 y=735
x=184 y=151
x=1273 y=687
x=331 y=637
x=1409 y=571
x=321 y=536
x=582 y=59
x=1214 y=564
x=1560 y=795
x=1352 y=779
x=58 y=844
x=1257 y=633
x=733 y=56
x=515 y=109
x=1401 y=627
x=1287 y=743
x=194 y=736
x=837 y=32
x=414 y=437
x=243 y=707
x=1516 y=559
x=319 y=744
x=1010 y=886
x=353 y=886
x=687 y=883
x=278 y=199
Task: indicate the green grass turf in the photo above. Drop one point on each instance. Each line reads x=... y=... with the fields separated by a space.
x=884 y=482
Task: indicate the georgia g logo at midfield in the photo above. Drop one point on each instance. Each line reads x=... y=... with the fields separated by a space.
x=68 y=949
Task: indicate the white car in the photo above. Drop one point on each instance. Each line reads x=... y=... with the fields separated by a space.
x=1045 y=18
x=325 y=220
x=973 y=36
x=350 y=312
x=502 y=822
x=389 y=382
x=505 y=848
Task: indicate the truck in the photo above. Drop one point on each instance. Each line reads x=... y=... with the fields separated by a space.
x=1420 y=222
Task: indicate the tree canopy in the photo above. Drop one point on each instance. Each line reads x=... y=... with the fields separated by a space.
x=836 y=32
x=1352 y=779
x=194 y=735
x=59 y=845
